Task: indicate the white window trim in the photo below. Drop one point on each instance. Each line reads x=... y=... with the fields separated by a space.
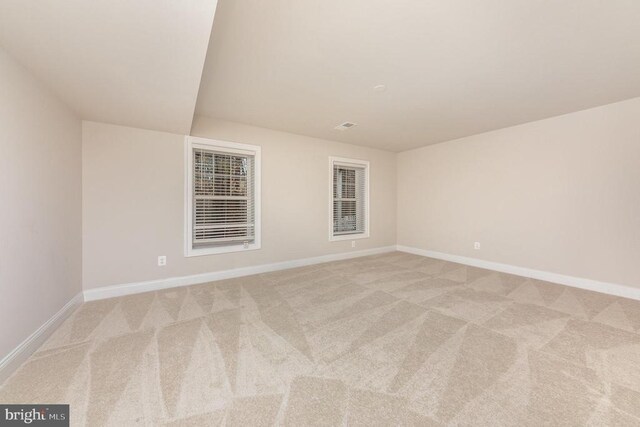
x=192 y=142
x=357 y=163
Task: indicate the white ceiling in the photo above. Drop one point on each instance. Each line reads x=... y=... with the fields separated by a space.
x=129 y=62
x=452 y=67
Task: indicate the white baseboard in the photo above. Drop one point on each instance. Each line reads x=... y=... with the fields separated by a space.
x=576 y=282
x=154 y=285
x=26 y=348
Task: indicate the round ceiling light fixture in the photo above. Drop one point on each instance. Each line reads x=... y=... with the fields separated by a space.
x=379 y=88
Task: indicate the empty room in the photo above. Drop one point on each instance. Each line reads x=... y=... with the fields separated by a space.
x=320 y=212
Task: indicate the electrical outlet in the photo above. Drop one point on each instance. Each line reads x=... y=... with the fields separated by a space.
x=162 y=261
x=353 y=243
x=476 y=245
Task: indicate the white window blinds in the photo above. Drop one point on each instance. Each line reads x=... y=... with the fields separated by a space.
x=223 y=198
x=349 y=199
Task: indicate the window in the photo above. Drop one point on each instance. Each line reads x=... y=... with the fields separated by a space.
x=222 y=197
x=349 y=205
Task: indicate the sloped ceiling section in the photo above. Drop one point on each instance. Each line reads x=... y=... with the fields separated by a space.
x=452 y=68
x=129 y=62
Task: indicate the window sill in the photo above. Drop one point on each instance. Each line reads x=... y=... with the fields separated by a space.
x=220 y=250
x=341 y=237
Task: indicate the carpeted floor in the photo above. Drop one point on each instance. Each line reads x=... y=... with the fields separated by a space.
x=392 y=339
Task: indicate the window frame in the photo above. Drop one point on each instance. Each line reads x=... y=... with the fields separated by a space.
x=357 y=163
x=192 y=142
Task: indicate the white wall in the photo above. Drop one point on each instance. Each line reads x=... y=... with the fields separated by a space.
x=40 y=210
x=560 y=195
x=133 y=201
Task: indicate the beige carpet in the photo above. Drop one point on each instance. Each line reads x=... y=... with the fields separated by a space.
x=394 y=339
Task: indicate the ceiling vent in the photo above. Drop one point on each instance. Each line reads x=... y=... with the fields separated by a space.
x=345 y=126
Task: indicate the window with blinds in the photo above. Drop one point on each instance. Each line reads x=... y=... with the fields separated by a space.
x=222 y=214
x=349 y=204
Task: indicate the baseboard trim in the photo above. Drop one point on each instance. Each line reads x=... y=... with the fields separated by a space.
x=576 y=282
x=172 y=282
x=10 y=363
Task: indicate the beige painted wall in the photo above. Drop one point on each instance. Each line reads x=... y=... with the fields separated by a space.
x=40 y=206
x=560 y=195
x=133 y=201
